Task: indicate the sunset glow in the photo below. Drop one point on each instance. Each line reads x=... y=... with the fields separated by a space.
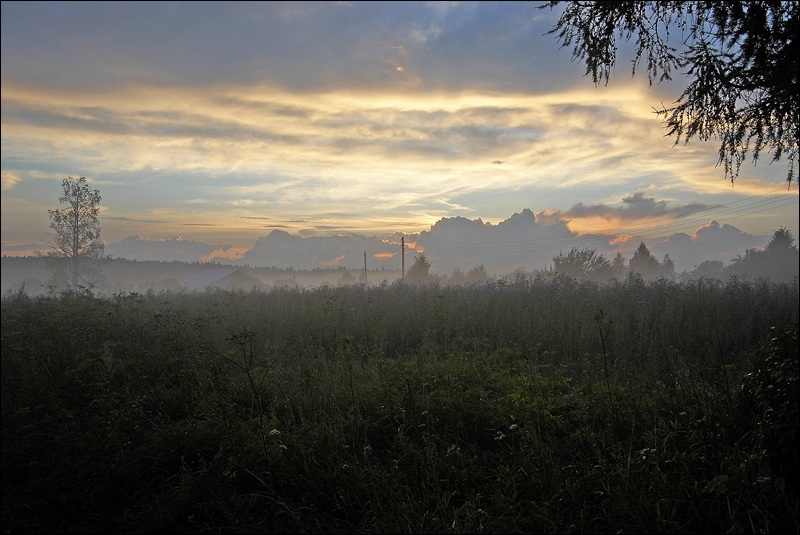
x=261 y=137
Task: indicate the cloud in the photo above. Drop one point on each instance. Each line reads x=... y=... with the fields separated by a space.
x=9 y=180
x=710 y=241
x=283 y=250
x=304 y=44
x=132 y=220
x=225 y=255
x=176 y=249
x=263 y=146
x=635 y=210
x=334 y=118
x=527 y=240
x=26 y=249
x=522 y=241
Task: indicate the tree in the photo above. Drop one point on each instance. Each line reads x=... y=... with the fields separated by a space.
x=741 y=60
x=779 y=261
x=583 y=264
x=347 y=278
x=782 y=244
x=419 y=271
x=667 y=268
x=76 y=246
x=478 y=274
x=457 y=277
x=710 y=269
x=644 y=263
x=618 y=268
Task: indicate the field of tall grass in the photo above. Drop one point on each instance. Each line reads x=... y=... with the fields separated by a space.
x=545 y=405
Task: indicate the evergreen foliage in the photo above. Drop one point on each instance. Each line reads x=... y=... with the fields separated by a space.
x=419 y=270
x=740 y=60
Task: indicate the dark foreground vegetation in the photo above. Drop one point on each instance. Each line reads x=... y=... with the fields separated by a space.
x=536 y=406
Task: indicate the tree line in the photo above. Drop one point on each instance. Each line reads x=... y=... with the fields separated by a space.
x=76 y=254
x=778 y=262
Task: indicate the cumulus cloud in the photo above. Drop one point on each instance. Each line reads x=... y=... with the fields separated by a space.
x=338 y=119
x=522 y=241
x=711 y=241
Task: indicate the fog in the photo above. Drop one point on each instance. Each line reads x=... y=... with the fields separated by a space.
x=525 y=241
x=455 y=251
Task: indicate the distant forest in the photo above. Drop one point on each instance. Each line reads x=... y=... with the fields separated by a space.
x=778 y=262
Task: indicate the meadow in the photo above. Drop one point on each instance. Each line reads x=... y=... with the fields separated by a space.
x=541 y=405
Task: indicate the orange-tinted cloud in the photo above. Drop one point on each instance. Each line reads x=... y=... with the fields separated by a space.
x=622 y=238
x=332 y=262
x=231 y=253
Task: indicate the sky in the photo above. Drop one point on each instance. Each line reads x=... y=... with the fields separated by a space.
x=313 y=134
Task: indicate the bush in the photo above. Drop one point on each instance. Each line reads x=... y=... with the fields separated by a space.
x=774 y=392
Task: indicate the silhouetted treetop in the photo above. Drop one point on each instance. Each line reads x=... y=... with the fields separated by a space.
x=740 y=60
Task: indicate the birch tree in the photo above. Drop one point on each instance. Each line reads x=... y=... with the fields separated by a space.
x=75 y=247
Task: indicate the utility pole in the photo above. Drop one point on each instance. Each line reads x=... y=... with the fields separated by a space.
x=403 y=256
x=365 y=267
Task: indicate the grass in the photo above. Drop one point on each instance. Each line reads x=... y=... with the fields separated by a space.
x=498 y=408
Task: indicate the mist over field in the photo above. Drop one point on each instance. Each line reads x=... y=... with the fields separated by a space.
x=452 y=250
x=399 y=267
x=523 y=241
x=545 y=405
